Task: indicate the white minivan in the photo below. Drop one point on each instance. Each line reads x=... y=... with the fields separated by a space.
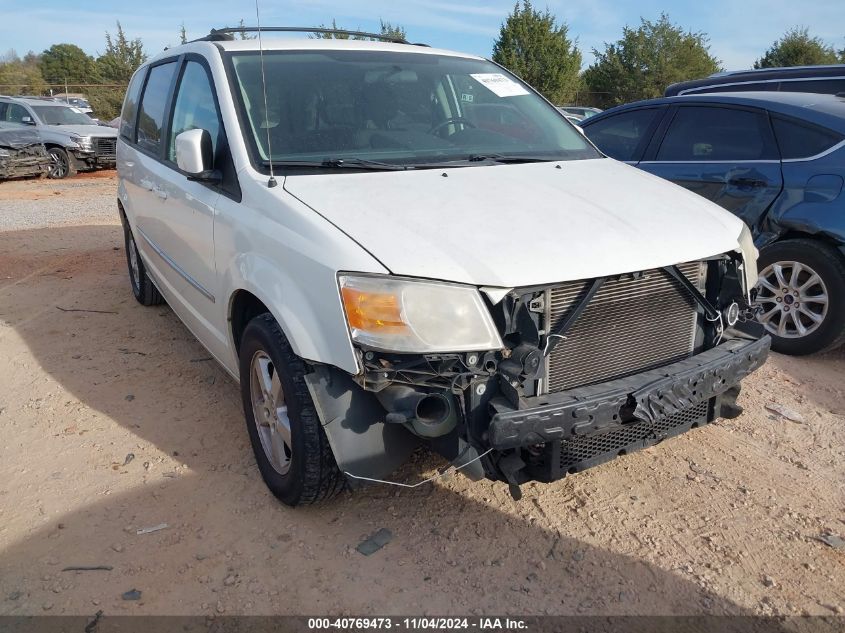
x=392 y=246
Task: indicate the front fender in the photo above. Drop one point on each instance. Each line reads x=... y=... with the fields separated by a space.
x=289 y=256
x=51 y=137
x=310 y=314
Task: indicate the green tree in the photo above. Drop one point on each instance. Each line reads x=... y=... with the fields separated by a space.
x=183 y=34
x=243 y=35
x=68 y=63
x=389 y=30
x=21 y=76
x=646 y=60
x=121 y=58
x=385 y=28
x=534 y=46
x=797 y=48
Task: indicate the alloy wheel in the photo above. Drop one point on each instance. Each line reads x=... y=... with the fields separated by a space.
x=59 y=167
x=270 y=412
x=793 y=299
x=134 y=269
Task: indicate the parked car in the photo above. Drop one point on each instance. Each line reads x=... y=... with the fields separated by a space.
x=777 y=160
x=582 y=112
x=382 y=267
x=817 y=79
x=80 y=103
x=22 y=153
x=73 y=140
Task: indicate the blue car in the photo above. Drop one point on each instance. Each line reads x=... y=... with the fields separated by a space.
x=777 y=160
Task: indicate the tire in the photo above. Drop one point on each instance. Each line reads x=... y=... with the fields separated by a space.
x=142 y=287
x=307 y=472
x=63 y=165
x=823 y=322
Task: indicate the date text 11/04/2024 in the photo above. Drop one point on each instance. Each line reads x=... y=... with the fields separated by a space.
x=417 y=624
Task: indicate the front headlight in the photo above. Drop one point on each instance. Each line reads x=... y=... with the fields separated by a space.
x=402 y=315
x=83 y=141
x=749 y=258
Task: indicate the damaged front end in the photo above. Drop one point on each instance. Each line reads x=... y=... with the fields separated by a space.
x=584 y=371
x=22 y=154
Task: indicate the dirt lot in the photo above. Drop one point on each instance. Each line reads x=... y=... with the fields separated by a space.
x=113 y=419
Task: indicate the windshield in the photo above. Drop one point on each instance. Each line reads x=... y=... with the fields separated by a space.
x=397 y=108
x=62 y=115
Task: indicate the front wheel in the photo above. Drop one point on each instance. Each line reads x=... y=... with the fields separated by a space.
x=62 y=166
x=290 y=446
x=801 y=296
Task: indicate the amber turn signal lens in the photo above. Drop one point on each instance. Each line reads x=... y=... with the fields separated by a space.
x=372 y=311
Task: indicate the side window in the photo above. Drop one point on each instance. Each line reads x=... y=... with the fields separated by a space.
x=195 y=108
x=802 y=140
x=621 y=136
x=755 y=86
x=831 y=86
x=130 y=107
x=15 y=113
x=151 y=117
x=702 y=133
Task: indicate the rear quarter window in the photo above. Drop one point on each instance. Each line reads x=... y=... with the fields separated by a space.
x=797 y=139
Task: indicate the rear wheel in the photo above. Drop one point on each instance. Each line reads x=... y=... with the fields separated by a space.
x=142 y=287
x=801 y=295
x=290 y=446
x=62 y=166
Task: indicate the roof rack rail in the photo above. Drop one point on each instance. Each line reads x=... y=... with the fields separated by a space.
x=226 y=34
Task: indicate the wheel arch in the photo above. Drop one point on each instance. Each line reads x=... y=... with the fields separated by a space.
x=122 y=213
x=243 y=307
x=836 y=245
x=305 y=302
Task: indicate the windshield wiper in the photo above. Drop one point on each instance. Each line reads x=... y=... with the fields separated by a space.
x=338 y=163
x=510 y=158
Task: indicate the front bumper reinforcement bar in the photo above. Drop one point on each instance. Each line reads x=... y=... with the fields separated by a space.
x=649 y=396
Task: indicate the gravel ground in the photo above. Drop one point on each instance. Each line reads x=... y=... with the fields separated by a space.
x=113 y=419
x=32 y=204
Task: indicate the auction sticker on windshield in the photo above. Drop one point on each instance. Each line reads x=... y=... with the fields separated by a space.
x=499 y=84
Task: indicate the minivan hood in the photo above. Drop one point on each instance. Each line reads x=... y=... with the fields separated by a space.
x=519 y=225
x=82 y=130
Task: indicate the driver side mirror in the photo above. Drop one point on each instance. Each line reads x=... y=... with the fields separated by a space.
x=194 y=156
x=27 y=120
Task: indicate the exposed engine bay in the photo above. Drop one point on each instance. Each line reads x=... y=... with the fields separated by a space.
x=590 y=370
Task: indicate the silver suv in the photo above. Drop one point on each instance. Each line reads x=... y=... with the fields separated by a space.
x=73 y=139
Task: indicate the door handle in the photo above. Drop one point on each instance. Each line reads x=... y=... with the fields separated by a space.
x=747 y=182
x=159 y=192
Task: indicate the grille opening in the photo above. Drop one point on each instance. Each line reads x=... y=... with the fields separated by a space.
x=574 y=452
x=630 y=326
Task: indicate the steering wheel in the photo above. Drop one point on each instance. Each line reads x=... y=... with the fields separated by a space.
x=451 y=120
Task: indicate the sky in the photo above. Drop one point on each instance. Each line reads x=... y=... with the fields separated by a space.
x=739 y=32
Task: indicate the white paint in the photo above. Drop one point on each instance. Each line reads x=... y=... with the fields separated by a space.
x=520 y=225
